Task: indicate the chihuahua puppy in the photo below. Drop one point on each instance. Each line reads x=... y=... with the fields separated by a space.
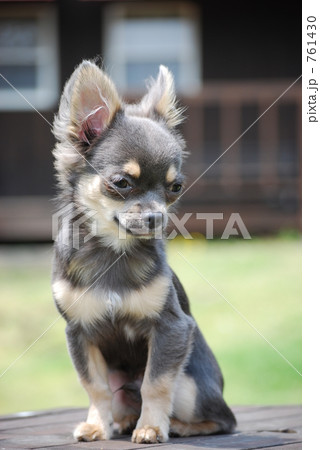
x=133 y=341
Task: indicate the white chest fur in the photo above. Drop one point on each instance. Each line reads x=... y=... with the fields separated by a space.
x=88 y=305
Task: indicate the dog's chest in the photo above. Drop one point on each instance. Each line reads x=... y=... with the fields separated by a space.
x=90 y=305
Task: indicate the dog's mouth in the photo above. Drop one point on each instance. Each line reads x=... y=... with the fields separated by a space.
x=143 y=225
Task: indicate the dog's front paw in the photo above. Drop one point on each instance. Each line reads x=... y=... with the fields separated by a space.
x=90 y=432
x=148 y=435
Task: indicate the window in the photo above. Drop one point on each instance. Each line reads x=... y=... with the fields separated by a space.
x=28 y=57
x=140 y=37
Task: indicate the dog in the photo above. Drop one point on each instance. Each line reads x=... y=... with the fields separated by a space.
x=131 y=336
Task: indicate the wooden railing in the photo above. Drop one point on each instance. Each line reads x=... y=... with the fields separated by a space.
x=256 y=124
x=259 y=175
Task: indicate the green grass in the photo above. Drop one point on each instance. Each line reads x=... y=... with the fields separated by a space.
x=261 y=285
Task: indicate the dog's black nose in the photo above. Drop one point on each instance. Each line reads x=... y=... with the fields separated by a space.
x=153 y=220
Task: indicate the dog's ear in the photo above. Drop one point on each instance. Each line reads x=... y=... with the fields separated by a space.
x=161 y=99
x=94 y=103
x=88 y=105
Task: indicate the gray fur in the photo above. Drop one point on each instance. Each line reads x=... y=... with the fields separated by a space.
x=143 y=132
x=172 y=338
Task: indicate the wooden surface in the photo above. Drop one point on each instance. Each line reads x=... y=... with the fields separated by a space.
x=271 y=427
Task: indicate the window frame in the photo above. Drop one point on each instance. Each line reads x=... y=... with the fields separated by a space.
x=114 y=55
x=44 y=95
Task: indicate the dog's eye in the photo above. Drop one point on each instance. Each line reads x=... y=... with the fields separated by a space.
x=176 y=187
x=121 y=184
x=118 y=186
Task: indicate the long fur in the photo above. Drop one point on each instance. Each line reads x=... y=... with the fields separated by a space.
x=131 y=336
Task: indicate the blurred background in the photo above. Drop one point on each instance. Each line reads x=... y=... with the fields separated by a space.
x=231 y=61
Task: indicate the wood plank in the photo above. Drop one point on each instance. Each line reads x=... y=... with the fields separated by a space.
x=41 y=420
x=268 y=414
x=296 y=446
x=258 y=427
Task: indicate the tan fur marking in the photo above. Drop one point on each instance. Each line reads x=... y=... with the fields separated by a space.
x=148 y=301
x=83 y=304
x=193 y=429
x=88 y=305
x=90 y=195
x=132 y=168
x=171 y=174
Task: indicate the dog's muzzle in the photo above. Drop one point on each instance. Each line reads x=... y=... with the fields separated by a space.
x=145 y=224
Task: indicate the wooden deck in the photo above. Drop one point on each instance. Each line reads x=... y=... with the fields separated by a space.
x=258 y=427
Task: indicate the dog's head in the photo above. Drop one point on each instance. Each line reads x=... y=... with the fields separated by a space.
x=122 y=161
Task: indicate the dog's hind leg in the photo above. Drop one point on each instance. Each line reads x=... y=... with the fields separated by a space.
x=199 y=406
x=184 y=420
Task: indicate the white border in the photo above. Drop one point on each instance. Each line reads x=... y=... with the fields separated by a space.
x=311 y=246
